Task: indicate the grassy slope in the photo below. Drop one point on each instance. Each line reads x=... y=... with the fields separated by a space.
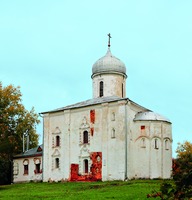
x=137 y=189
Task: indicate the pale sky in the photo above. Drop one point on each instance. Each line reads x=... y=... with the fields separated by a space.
x=48 y=48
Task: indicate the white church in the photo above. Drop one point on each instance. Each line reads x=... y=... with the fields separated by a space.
x=108 y=137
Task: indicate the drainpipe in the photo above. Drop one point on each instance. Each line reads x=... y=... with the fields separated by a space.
x=126 y=142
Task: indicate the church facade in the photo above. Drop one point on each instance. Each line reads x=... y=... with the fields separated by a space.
x=108 y=137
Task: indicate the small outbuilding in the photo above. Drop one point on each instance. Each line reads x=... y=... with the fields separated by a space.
x=27 y=166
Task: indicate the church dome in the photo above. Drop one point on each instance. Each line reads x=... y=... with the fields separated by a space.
x=107 y=64
x=150 y=116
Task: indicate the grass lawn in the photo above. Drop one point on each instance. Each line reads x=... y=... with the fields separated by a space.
x=136 y=189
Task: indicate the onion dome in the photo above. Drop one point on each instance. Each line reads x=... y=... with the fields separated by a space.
x=150 y=116
x=109 y=64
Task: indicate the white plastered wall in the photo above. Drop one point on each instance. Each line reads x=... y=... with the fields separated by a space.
x=18 y=169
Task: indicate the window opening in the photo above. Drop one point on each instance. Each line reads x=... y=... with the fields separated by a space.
x=156 y=144
x=37 y=168
x=57 y=141
x=16 y=169
x=85 y=137
x=166 y=144
x=113 y=133
x=26 y=169
x=101 y=89
x=85 y=166
x=56 y=162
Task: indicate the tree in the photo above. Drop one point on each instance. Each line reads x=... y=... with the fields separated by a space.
x=181 y=188
x=15 y=121
x=182 y=170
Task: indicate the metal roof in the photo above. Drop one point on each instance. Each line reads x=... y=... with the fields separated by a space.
x=150 y=116
x=88 y=102
x=108 y=64
x=37 y=151
x=145 y=115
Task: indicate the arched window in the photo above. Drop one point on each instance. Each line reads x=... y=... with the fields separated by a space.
x=37 y=168
x=57 y=141
x=101 y=89
x=26 y=169
x=26 y=166
x=85 y=137
x=56 y=162
x=86 y=166
x=166 y=144
x=113 y=133
x=156 y=144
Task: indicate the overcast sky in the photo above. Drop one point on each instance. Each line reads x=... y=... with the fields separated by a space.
x=48 y=48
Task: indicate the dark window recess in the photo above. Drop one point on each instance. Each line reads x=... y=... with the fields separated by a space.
x=85 y=137
x=156 y=144
x=37 y=168
x=57 y=141
x=56 y=162
x=101 y=89
x=26 y=169
x=85 y=166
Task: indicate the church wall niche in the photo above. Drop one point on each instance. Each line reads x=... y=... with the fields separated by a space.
x=84 y=133
x=56 y=139
x=142 y=159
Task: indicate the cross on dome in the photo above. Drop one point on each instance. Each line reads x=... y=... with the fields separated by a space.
x=109 y=35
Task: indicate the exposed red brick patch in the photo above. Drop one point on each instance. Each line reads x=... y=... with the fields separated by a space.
x=92 y=116
x=92 y=131
x=95 y=170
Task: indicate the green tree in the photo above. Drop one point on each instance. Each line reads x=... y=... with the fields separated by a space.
x=181 y=187
x=182 y=170
x=15 y=120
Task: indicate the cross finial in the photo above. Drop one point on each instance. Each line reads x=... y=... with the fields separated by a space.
x=109 y=44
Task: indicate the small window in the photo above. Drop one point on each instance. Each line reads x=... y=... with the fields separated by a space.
x=166 y=144
x=57 y=141
x=113 y=116
x=86 y=166
x=101 y=89
x=142 y=127
x=113 y=133
x=26 y=169
x=156 y=144
x=85 y=137
x=16 y=169
x=56 y=162
x=37 y=168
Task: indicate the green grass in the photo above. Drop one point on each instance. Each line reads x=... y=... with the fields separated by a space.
x=137 y=189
